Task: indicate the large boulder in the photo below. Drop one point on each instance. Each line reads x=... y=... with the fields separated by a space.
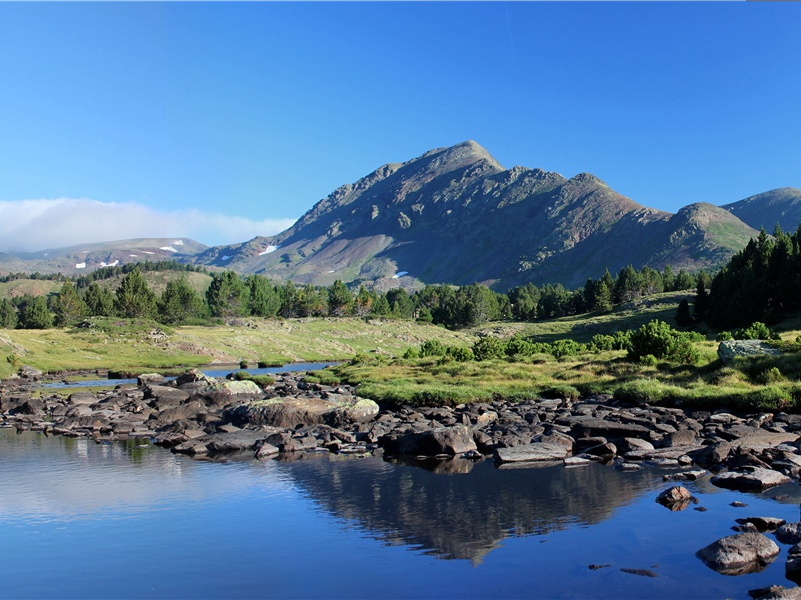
x=28 y=372
x=731 y=349
x=739 y=554
x=290 y=412
x=750 y=479
x=442 y=440
x=535 y=452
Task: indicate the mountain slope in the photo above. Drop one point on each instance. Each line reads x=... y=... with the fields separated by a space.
x=782 y=206
x=455 y=215
x=88 y=257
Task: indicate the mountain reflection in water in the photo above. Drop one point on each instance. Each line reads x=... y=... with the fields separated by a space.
x=457 y=509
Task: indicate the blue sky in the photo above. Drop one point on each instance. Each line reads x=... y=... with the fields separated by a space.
x=221 y=121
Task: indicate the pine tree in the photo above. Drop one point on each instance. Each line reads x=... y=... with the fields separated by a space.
x=701 y=301
x=134 y=299
x=363 y=303
x=227 y=295
x=35 y=315
x=69 y=308
x=8 y=314
x=179 y=302
x=264 y=299
x=99 y=301
x=683 y=317
x=340 y=300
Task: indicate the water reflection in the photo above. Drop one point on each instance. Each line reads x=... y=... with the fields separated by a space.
x=63 y=478
x=461 y=510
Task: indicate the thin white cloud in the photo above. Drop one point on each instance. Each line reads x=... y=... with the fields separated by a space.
x=31 y=225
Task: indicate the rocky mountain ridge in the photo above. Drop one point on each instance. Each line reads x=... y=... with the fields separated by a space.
x=455 y=215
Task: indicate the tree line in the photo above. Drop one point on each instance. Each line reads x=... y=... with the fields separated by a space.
x=230 y=295
x=762 y=282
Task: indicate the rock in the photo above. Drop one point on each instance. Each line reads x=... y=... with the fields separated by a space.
x=633 y=444
x=752 y=479
x=443 y=440
x=29 y=373
x=605 y=451
x=151 y=378
x=290 y=412
x=640 y=572
x=792 y=567
x=577 y=461
x=237 y=441
x=683 y=437
x=194 y=376
x=587 y=426
x=536 y=452
x=163 y=395
x=762 y=524
x=82 y=398
x=714 y=454
x=731 y=349
x=266 y=451
x=739 y=554
x=675 y=498
x=685 y=475
x=789 y=533
x=776 y=592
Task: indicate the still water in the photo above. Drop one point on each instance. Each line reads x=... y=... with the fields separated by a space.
x=83 y=520
x=211 y=372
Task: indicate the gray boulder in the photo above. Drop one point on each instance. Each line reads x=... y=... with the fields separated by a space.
x=789 y=533
x=731 y=349
x=739 y=554
x=750 y=479
x=536 y=452
x=444 y=440
x=28 y=372
x=151 y=378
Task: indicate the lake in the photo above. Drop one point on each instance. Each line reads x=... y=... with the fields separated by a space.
x=86 y=520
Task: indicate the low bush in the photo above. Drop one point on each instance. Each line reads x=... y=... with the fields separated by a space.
x=662 y=341
x=432 y=348
x=489 y=347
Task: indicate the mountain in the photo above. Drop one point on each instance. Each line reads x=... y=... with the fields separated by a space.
x=455 y=215
x=88 y=257
x=782 y=206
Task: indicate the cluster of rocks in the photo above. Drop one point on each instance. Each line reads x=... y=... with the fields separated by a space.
x=207 y=417
x=204 y=417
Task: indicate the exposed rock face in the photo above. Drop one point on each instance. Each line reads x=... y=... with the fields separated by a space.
x=739 y=554
x=411 y=217
x=731 y=349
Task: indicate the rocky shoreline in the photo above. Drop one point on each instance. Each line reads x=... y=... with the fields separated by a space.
x=208 y=418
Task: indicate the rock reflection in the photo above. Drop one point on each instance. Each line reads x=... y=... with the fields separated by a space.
x=460 y=509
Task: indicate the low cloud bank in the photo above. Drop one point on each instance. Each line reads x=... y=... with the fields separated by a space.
x=31 y=225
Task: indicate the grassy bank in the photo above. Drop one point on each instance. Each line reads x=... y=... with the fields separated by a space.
x=127 y=345
x=769 y=383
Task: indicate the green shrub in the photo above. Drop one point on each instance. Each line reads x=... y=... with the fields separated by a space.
x=459 y=353
x=641 y=391
x=243 y=364
x=755 y=331
x=602 y=343
x=664 y=342
x=432 y=348
x=565 y=392
x=769 y=376
x=724 y=336
x=488 y=347
x=566 y=347
x=769 y=398
x=519 y=347
x=266 y=364
x=411 y=353
x=649 y=360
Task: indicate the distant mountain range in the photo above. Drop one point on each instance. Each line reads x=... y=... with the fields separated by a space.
x=454 y=215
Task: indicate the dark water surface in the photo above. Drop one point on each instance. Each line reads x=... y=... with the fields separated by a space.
x=82 y=520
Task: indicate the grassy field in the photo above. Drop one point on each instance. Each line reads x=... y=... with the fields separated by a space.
x=121 y=344
x=373 y=348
